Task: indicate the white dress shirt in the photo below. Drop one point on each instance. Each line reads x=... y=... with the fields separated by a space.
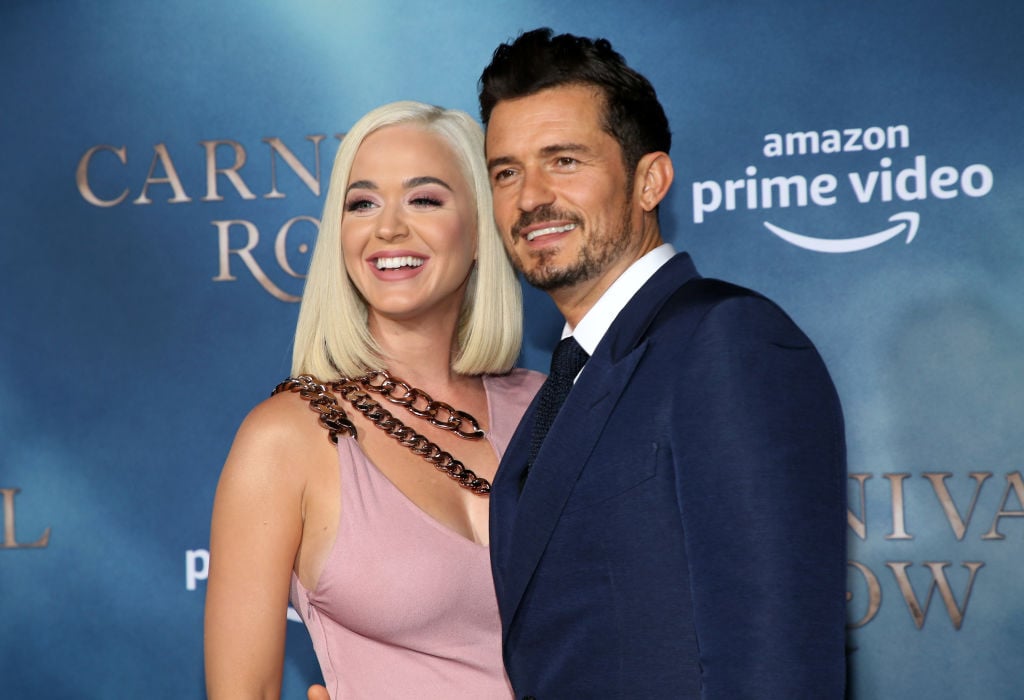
x=595 y=323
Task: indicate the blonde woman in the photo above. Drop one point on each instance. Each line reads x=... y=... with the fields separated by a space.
x=371 y=511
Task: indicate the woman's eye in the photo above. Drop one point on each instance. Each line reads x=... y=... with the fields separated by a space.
x=358 y=205
x=425 y=201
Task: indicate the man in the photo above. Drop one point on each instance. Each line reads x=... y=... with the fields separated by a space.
x=679 y=531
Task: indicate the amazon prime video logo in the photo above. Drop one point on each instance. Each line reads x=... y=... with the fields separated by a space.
x=888 y=183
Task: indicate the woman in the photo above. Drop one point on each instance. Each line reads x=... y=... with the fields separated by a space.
x=382 y=548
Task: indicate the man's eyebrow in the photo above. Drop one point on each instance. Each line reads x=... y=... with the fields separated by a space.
x=411 y=182
x=564 y=148
x=545 y=152
x=501 y=160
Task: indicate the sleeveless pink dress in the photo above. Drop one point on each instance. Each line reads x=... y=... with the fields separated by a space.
x=405 y=607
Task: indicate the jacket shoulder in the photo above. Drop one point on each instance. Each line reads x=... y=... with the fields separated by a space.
x=697 y=298
x=711 y=305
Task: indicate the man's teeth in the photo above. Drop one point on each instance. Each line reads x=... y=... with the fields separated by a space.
x=548 y=231
x=395 y=263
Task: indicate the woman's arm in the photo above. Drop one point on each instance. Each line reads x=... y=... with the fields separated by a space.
x=254 y=537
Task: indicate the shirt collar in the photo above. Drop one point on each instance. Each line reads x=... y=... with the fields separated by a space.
x=596 y=322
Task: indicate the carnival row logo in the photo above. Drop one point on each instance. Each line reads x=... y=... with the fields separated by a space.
x=105 y=176
x=10 y=540
x=864 y=596
x=917 y=181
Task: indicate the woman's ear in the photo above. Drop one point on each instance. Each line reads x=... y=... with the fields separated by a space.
x=654 y=175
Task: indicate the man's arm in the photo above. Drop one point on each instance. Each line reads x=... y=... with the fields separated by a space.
x=762 y=462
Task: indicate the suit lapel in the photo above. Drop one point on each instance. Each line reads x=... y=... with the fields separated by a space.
x=522 y=524
x=505 y=496
x=555 y=471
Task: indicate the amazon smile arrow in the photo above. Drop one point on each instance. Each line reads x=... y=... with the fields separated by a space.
x=908 y=220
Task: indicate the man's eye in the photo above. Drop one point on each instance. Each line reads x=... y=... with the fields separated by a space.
x=566 y=161
x=503 y=174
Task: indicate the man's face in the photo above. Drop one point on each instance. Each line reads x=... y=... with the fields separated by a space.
x=562 y=197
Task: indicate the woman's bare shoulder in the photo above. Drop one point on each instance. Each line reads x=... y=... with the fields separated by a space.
x=281 y=416
x=279 y=437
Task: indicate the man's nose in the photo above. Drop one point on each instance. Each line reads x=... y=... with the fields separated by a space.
x=535 y=190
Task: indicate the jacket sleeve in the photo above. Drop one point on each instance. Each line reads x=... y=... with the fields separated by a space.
x=761 y=463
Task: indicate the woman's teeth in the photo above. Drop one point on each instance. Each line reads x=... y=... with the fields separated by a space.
x=395 y=263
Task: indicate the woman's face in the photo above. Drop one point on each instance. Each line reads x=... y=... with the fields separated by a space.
x=408 y=231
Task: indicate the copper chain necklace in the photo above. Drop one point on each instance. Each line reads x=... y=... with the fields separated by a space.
x=419 y=403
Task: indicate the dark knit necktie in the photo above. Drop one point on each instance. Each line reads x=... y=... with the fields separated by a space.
x=566 y=363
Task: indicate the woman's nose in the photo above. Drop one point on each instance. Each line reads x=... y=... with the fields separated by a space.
x=391 y=224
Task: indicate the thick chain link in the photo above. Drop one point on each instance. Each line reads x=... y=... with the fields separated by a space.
x=437 y=413
x=333 y=417
x=322 y=402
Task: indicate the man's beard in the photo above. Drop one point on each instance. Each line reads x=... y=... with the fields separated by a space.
x=596 y=252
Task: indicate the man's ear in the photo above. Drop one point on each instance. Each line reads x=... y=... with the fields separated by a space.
x=654 y=175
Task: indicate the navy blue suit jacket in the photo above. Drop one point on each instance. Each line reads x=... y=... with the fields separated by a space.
x=681 y=533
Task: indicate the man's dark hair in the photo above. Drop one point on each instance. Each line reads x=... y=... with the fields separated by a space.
x=537 y=60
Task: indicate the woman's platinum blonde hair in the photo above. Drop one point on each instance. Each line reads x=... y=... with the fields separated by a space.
x=332 y=338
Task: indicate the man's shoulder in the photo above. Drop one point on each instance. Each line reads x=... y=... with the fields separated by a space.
x=708 y=291
x=705 y=303
x=702 y=295
x=677 y=288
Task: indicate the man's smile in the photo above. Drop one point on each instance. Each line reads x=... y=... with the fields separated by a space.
x=547 y=231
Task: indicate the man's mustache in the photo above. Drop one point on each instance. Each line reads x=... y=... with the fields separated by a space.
x=540 y=215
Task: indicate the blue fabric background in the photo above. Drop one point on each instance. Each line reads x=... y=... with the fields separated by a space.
x=126 y=367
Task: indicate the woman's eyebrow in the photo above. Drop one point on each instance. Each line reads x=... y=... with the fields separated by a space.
x=411 y=182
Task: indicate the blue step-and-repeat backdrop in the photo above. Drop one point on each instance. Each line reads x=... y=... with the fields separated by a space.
x=164 y=169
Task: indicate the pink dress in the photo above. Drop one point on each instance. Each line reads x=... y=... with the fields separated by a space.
x=405 y=607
